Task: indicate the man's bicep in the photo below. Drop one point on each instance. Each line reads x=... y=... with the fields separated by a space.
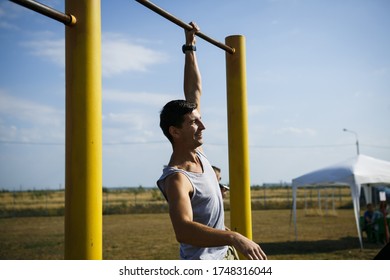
x=194 y=96
x=178 y=193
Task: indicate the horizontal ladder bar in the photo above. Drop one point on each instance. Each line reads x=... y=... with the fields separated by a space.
x=184 y=25
x=66 y=19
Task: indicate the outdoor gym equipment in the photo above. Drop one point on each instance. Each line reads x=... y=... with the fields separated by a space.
x=83 y=157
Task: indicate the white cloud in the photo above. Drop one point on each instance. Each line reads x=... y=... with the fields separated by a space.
x=10 y=10
x=363 y=94
x=145 y=98
x=296 y=131
x=128 y=120
x=7 y=25
x=10 y=15
x=254 y=110
x=49 y=49
x=24 y=120
x=125 y=127
x=119 y=55
x=134 y=122
x=29 y=111
x=381 y=72
x=269 y=76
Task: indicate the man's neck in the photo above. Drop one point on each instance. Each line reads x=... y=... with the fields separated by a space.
x=187 y=160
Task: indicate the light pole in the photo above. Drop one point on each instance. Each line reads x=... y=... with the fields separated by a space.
x=357 y=140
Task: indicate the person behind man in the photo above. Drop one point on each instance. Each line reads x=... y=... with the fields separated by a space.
x=189 y=183
x=224 y=189
x=232 y=252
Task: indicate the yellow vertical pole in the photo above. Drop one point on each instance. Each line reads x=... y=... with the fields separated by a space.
x=239 y=175
x=83 y=170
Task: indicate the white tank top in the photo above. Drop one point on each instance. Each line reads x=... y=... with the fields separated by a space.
x=207 y=207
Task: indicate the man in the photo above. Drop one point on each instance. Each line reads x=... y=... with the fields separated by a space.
x=189 y=183
x=224 y=189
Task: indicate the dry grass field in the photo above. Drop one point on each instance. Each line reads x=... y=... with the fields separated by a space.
x=141 y=200
x=142 y=229
x=150 y=237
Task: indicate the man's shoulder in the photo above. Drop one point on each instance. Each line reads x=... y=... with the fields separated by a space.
x=176 y=175
x=171 y=172
x=178 y=182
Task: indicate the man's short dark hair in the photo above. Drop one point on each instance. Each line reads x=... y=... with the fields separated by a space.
x=216 y=168
x=173 y=113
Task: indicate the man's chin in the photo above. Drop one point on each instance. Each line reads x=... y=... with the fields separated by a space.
x=199 y=143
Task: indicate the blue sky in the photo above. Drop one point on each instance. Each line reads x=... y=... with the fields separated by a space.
x=314 y=67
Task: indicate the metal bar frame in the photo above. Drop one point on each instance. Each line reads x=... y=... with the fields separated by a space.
x=184 y=25
x=238 y=142
x=83 y=150
x=66 y=19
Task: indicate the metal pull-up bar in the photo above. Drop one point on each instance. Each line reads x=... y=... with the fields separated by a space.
x=66 y=19
x=184 y=25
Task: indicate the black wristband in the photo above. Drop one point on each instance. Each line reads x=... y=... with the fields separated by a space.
x=186 y=48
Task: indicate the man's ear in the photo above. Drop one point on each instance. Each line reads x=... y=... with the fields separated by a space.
x=174 y=131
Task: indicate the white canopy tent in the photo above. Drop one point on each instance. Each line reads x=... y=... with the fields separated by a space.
x=357 y=173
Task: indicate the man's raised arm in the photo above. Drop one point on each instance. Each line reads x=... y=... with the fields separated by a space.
x=192 y=78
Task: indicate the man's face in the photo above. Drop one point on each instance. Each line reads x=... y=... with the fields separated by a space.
x=218 y=175
x=192 y=128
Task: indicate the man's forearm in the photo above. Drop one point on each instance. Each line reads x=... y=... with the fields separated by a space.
x=192 y=79
x=200 y=235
